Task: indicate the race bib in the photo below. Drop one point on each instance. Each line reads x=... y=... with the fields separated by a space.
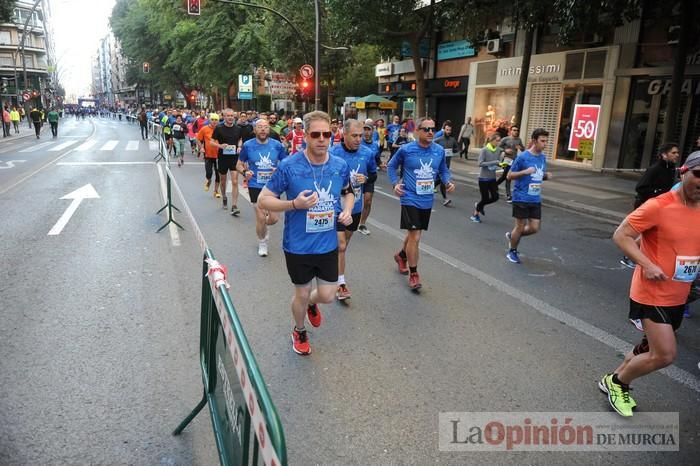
x=264 y=176
x=686 y=268
x=534 y=189
x=320 y=218
x=229 y=151
x=425 y=186
x=177 y=128
x=449 y=152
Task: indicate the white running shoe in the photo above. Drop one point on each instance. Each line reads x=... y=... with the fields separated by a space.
x=262 y=249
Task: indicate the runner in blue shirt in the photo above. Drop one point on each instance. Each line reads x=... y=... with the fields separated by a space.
x=363 y=171
x=314 y=182
x=368 y=188
x=421 y=162
x=528 y=170
x=257 y=162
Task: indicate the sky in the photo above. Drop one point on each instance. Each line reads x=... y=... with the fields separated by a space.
x=78 y=26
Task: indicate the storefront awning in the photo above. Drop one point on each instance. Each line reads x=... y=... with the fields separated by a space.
x=375 y=101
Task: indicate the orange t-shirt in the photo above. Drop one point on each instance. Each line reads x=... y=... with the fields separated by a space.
x=670 y=239
x=204 y=136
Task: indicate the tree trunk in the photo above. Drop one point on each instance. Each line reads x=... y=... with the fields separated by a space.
x=679 y=57
x=524 y=73
x=419 y=109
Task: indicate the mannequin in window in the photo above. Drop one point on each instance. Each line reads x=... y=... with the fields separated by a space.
x=490 y=115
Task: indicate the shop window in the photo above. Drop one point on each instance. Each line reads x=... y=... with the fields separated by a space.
x=5 y=38
x=595 y=64
x=574 y=65
x=637 y=125
x=6 y=60
x=486 y=73
x=492 y=108
x=571 y=96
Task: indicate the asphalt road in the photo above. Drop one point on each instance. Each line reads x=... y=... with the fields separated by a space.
x=100 y=323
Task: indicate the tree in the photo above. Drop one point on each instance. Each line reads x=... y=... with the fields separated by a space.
x=7 y=10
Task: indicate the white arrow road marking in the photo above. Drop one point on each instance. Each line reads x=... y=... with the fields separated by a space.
x=86 y=192
x=10 y=164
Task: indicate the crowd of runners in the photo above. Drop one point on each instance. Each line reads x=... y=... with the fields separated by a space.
x=321 y=174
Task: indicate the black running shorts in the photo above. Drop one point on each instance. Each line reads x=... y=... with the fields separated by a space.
x=302 y=268
x=413 y=218
x=352 y=227
x=226 y=163
x=368 y=187
x=527 y=210
x=254 y=193
x=672 y=315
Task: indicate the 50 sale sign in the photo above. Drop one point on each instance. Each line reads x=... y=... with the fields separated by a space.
x=584 y=125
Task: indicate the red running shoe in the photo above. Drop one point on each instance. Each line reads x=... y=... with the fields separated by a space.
x=403 y=266
x=300 y=342
x=414 y=281
x=313 y=312
x=343 y=292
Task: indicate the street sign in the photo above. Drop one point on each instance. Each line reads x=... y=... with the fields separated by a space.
x=26 y=96
x=306 y=71
x=245 y=87
x=584 y=125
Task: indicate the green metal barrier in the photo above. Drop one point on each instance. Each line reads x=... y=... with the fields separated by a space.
x=246 y=425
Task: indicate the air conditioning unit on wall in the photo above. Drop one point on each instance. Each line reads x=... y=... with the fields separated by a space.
x=494 y=46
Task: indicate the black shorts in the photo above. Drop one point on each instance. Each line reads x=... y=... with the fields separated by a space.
x=226 y=163
x=672 y=315
x=527 y=210
x=368 y=187
x=302 y=268
x=254 y=193
x=413 y=218
x=352 y=227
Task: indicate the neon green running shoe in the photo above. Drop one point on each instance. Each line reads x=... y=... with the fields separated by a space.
x=618 y=396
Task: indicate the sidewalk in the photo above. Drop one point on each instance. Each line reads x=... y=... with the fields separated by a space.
x=579 y=189
x=24 y=131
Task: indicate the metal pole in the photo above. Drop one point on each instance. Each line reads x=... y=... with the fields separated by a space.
x=317 y=57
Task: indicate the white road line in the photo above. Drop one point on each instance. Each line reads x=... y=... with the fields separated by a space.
x=109 y=145
x=37 y=147
x=381 y=191
x=105 y=163
x=62 y=146
x=675 y=373
x=132 y=145
x=86 y=145
x=174 y=235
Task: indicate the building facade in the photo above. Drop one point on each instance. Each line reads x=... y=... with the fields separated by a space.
x=109 y=84
x=29 y=70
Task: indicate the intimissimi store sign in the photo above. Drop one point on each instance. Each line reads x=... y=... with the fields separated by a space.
x=548 y=67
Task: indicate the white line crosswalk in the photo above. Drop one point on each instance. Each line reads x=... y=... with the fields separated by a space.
x=37 y=147
x=89 y=145
x=62 y=146
x=86 y=145
x=109 y=145
x=132 y=145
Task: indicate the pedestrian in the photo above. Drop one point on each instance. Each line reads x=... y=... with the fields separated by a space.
x=314 y=181
x=400 y=140
x=489 y=159
x=442 y=129
x=465 y=135
x=6 y=122
x=451 y=146
x=35 y=116
x=53 y=117
x=668 y=259
x=529 y=170
x=210 y=153
x=143 y=123
x=656 y=180
x=508 y=155
x=15 y=117
x=258 y=160
x=363 y=171
x=179 y=131
x=420 y=162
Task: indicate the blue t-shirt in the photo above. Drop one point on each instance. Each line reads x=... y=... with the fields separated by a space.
x=440 y=133
x=528 y=188
x=392 y=131
x=262 y=160
x=310 y=231
x=360 y=161
x=373 y=148
x=421 y=166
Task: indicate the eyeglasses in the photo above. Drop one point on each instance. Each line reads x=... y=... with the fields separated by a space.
x=430 y=129
x=318 y=134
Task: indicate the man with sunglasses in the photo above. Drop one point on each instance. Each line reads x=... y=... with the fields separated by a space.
x=363 y=171
x=668 y=261
x=421 y=162
x=314 y=181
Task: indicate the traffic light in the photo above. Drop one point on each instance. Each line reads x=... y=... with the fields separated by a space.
x=193 y=7
x=305 y=85
x=146 y=67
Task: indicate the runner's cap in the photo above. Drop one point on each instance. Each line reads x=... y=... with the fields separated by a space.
x=298 y=120
x=369 y=123
x=214 y=116
x=691 y=162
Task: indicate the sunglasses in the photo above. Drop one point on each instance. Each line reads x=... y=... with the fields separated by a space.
x=318 y=134
x=696 y=173
x=425 y=129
